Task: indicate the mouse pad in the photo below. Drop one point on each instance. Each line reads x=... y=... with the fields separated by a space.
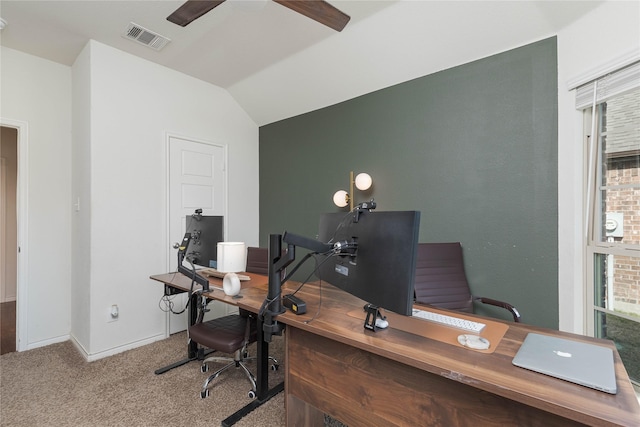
x=494 y=331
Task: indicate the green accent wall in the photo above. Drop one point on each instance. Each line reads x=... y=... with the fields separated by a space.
x=474 y=148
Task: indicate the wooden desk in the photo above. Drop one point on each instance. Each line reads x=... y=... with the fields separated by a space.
x=176 y=283
x=182 y=283
x=392 y=377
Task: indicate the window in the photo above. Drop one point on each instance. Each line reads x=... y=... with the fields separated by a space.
x=613 y=243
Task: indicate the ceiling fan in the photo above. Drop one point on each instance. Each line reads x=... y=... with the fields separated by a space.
x=318 y=10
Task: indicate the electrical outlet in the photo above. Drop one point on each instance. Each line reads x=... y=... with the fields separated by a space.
x=113 y=313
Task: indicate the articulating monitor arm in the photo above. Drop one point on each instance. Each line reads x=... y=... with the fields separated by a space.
x=272 y=305
x=182 y=249
x=277 y=264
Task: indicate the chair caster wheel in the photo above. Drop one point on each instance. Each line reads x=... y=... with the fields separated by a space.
x=204 y=394
x=204 y=368
x=252 y=394
x=274 y=367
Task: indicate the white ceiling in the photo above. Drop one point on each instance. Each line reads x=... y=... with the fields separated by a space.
x=277 y=63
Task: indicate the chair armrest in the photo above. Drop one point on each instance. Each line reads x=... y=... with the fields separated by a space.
x=505 y=305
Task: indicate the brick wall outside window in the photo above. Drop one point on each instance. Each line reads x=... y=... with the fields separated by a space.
x=623 y=168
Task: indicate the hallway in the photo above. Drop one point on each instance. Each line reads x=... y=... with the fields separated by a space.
x=7 y=327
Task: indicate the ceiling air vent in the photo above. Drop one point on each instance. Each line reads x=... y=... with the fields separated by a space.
x=143 y=36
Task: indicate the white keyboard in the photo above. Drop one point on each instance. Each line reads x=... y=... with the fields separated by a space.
x=454 y=322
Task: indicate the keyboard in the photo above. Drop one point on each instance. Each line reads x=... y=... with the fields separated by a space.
x=454 y=322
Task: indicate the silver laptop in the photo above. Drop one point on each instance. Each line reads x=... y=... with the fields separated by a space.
x=582 y=363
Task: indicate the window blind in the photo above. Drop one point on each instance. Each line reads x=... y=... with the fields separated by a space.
x=609 y=85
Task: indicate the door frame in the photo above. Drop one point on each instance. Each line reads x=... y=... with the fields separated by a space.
x=22 y=215
x=170 y=253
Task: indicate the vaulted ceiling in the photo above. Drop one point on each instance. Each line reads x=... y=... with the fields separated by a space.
x=278 y=63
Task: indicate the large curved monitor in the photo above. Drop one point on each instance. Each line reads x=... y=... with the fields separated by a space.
x=379 y=262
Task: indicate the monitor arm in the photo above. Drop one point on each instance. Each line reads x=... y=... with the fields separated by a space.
x=182 y=249
x=363 y=207
x=273 y=304
x=277 y=264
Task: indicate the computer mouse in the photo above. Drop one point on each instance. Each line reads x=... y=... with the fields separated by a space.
x=381 y=323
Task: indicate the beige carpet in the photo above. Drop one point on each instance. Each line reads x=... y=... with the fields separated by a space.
x=54 y=386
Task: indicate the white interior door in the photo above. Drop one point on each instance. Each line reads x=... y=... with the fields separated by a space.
x=197 y=180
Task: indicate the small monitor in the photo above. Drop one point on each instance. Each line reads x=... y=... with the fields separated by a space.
x=381 y=269
x=206 y=232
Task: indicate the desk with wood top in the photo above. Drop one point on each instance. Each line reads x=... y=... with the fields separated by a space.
x=175 y=283
x=178 y=283
x=395 y=377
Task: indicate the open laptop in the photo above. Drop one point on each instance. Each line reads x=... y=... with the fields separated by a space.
x=582 y=363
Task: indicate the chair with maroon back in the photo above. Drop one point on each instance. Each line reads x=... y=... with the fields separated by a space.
x=441 y=280
x=232 y=333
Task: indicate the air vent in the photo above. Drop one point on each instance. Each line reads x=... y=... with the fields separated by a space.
x=143 y=36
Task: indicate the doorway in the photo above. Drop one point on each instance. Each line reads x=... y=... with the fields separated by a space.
x=197 y=179
x=8 y=238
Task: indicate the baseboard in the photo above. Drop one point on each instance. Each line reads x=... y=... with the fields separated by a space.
x=115 y=350
x=44 y=343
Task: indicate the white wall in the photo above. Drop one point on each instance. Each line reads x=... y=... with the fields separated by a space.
x=81 y=201
x=122 y=109
x=608 y=32
x=38 y=92
x=404 y=40
x=133 y=105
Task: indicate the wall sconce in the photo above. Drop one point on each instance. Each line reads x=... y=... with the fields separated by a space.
x=232 y=258
x=362 y=182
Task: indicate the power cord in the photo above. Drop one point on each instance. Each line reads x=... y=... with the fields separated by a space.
x=168 y=299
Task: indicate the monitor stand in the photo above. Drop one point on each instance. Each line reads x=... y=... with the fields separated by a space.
x=373 y=312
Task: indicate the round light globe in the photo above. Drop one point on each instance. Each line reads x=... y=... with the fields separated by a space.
x=363 y=181
x=341 y=198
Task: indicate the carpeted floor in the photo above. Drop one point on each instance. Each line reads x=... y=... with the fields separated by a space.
x=54 y=386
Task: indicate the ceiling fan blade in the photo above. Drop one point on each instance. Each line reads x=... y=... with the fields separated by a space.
x=318 y=10
x=192 y=10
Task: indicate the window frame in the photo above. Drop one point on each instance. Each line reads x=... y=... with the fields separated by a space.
x=596 y=244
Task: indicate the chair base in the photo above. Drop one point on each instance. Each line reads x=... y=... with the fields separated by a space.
x=239 y=357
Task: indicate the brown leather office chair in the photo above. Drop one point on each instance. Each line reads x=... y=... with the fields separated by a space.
x=441 y=280
x=232 y=333
x=258 y=260
x=227 y=334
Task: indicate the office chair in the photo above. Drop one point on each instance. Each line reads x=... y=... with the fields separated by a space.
x=258 y=260
x=232 y=333
x=441 y=280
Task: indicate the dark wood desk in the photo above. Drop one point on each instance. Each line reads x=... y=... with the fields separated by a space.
x=182 y=283
x=392 y=377
x=177 y=283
